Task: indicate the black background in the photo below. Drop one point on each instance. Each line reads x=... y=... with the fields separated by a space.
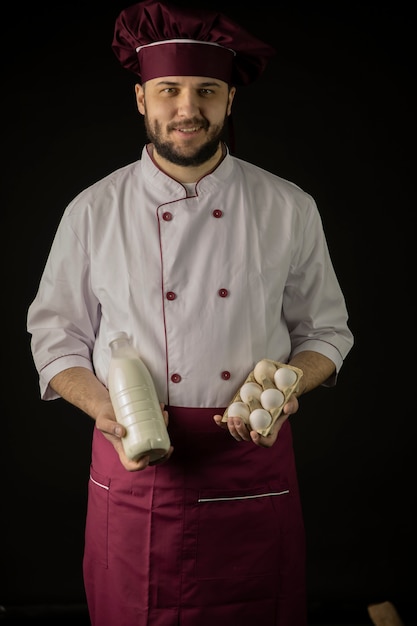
x=334 y=113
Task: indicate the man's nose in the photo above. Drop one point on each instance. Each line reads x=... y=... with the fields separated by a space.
x=188 y=104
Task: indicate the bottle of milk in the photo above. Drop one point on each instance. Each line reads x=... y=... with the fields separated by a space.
x=135 y=402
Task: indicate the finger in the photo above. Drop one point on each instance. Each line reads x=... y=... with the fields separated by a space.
x=291 y=406
x=218 y=419
x=261 y=440
x=238 y=429
x=134 y=466
x=164 y=413
x=110 y=427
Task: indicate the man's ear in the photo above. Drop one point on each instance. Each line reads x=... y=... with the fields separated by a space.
x=140 y=98
x=232 y=92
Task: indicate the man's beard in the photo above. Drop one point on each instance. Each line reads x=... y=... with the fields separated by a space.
x=167 y=150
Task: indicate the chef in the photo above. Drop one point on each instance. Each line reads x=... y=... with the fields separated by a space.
x=209 y=263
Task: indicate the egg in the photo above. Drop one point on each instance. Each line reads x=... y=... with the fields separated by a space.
x=271 y=399
x=239 y=409
x=250 y=391
x=284 y=377
x=260 y=419
x=264 y=373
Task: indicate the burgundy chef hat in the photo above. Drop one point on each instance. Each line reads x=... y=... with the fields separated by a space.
x=153 y=38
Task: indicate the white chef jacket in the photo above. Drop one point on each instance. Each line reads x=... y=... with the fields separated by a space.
x=206 y=285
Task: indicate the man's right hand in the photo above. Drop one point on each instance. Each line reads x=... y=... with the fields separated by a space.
x=114 y=432
x=80 y=387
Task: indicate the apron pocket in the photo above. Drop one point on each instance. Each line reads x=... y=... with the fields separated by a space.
x=233 y=532
x=97 y=521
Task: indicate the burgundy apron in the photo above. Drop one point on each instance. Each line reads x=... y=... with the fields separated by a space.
x=214 y=536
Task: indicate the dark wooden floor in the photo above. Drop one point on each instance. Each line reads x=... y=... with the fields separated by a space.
x=78 y=616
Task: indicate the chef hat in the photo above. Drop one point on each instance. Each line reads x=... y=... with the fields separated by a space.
x=155 y=39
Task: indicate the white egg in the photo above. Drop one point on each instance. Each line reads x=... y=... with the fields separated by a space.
x=284 y=377
x=264 y=370
x=249 y=391
x=260 y=419
x=239 y=409
x=272 y=399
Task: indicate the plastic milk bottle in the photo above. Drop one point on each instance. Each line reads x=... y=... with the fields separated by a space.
x=135 y=402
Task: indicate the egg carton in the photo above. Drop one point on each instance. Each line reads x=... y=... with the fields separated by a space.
x=264 y=384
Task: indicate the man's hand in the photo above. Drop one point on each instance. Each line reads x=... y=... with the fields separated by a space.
x=80 y=387
x=114 y=432
x=242 y=431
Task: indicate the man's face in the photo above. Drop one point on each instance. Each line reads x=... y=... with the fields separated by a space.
x=185 y=116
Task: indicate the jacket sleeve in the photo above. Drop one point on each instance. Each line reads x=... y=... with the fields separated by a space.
x=64 y=315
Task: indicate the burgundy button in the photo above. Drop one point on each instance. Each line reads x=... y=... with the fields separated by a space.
x=176 y=378
x=226 y=375
x=167 y=216
x=217 y=213
x=223 y=293
x=171 y=295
